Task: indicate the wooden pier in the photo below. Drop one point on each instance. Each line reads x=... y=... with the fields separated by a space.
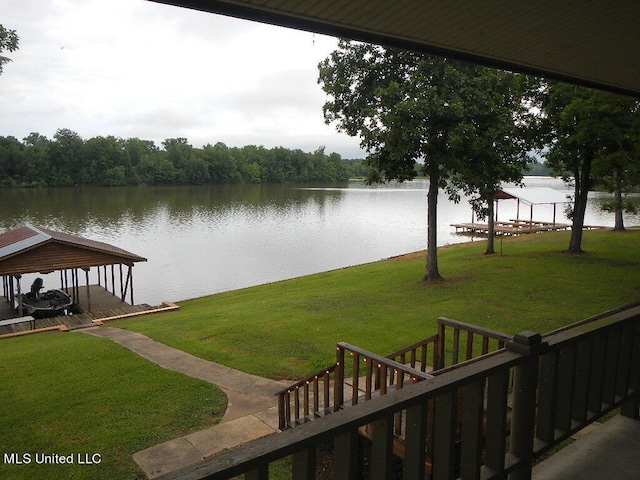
x=512 y=227
x=515 y=227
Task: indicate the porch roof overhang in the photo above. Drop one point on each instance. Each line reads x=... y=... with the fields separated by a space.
x=30 y=249
x=579 y=41
x=533 y=195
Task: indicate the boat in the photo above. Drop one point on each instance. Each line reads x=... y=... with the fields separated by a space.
x=47 y=304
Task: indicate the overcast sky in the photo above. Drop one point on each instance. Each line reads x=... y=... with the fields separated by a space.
x=134 y=68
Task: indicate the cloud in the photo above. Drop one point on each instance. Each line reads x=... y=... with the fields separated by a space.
x=140 y=69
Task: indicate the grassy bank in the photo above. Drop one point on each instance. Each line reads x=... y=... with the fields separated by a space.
x=289 y=329
x=70 y=394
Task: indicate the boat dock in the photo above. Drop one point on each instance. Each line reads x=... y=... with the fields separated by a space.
x=514 y=227
x=104 y=307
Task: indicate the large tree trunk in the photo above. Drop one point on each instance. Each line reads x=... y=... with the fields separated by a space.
x=582 y=182
x=432 y=272
x=490 y=227
x=619 y=225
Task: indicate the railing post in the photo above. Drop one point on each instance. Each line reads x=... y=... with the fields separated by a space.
x=338 y=386
x=524 y=401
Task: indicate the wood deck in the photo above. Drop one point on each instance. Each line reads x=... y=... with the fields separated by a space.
x=104 y=307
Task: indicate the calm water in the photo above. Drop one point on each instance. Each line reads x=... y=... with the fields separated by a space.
x=207 y=239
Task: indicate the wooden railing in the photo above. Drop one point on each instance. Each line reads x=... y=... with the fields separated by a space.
x=561 y=383
x=434 y=353
x=357 y=374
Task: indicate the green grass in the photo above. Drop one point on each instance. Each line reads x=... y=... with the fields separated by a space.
x=289 y=329
x=69 y=394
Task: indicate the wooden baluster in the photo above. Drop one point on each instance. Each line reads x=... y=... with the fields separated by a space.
x=338 y=386
x=456 y=346
x=283 y=421
x=326 y=391
x=469 y=353
x=471 y=424
x=368 y=379
x=383 y=378
x=423 y=358
x=261 y=473
x=382 y=448
x=445 y=436
x=296 y=404
x=304 y=464
x=305 y=392
x=415 y=442
x=485 y=345
x=316 y=395
x=346 y=461
x=355 y=389
x=438 y=352
x=632 y=407
x=566 y=375
x=497 y=393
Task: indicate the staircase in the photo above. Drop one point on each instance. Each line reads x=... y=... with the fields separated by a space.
x=359 y=375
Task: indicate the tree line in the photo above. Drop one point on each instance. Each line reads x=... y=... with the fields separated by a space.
x=69 y=160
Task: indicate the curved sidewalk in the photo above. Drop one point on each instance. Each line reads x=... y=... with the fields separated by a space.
x=251 y=410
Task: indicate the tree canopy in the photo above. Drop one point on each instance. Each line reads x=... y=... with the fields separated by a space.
x=9 y=41
x=463 y=124
x=68 y=160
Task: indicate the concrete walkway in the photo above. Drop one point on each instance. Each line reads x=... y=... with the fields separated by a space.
x=608 y=451
x=251 y=411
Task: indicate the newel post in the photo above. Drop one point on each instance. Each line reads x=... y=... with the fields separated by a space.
x=525 y=382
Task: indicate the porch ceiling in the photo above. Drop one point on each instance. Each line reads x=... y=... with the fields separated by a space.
x=592 y=43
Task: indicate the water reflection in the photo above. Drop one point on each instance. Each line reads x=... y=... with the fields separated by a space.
x=205 y=239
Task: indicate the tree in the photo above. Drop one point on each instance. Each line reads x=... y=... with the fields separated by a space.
x=66 y=157
x=496 y=140
x=587 y=132
x=617 y=166
x=8 y=42
x=106 y=161
x=407 y=108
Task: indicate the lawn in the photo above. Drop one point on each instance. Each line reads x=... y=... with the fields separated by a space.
x=73 y=394
x=69 y=394
x=289 y=329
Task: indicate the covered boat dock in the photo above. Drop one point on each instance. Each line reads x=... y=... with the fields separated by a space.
x=97 y=276
x=531 y=197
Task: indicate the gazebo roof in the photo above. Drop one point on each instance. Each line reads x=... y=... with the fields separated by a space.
x=533 y=195
x=30 y=249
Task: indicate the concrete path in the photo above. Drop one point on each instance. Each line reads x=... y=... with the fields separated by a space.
x=609 y=451
x=251 y=411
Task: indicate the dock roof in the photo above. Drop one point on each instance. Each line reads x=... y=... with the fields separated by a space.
x=534 y=195
x=30 y=249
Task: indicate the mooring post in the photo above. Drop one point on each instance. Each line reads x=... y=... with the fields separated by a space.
x=523 y=415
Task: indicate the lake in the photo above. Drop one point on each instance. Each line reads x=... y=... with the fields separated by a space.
x=201 y=240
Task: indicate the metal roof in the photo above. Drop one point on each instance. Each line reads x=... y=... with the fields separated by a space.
x=534 y=195
x=594 y=43
x=27 y=238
